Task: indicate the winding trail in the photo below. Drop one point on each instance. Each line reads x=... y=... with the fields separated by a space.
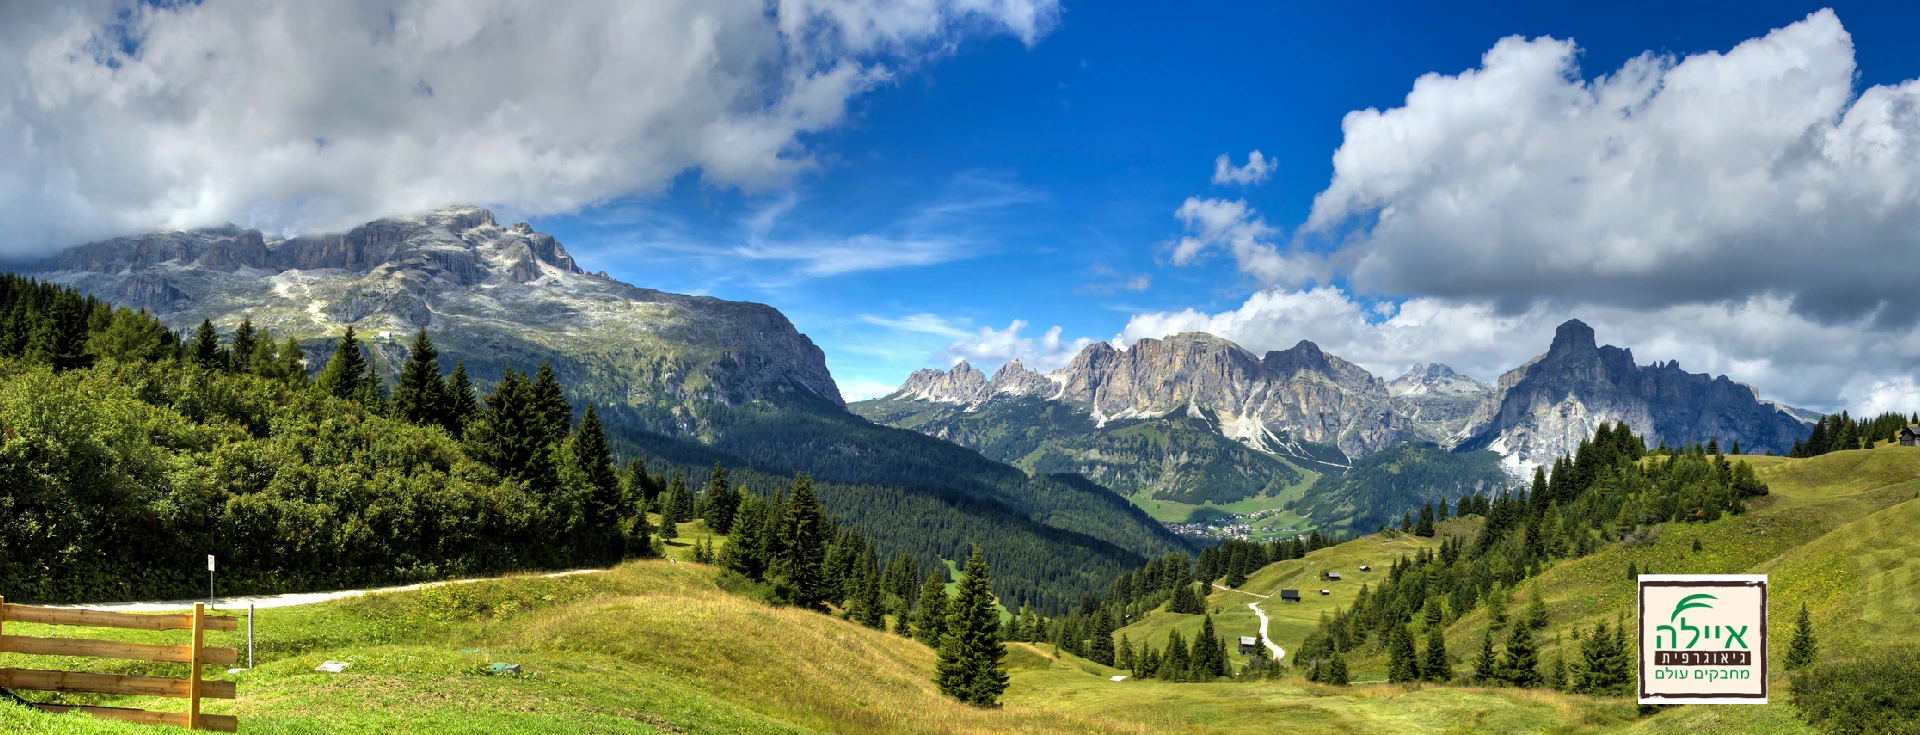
x=1278 y=652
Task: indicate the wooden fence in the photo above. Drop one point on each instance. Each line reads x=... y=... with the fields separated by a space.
x=195 y=654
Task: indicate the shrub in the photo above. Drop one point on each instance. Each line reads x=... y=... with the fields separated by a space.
x=1873 y=695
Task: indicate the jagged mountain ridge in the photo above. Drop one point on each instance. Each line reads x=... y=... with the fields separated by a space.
x=1291 y=399
x=1545 y=407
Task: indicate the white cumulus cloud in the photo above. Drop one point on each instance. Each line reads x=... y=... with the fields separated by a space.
x=295 y=115
x=990 y=347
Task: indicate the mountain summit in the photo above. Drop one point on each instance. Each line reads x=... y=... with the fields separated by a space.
x=493 y=294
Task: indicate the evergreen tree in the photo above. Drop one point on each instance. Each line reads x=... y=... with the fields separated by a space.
x=1403 y=663
x=1176 y=664
x=742 y=552
x=244 y=343
x=803 y=542
x=459 y=406
x=1536 y=608
x=504 y=436
x=1497 y=607
x=930 y=617
x=1208 y=658
x=1100 y=638
x=1336 y=673
x=293 y=361
x=1556 y=678
x=373 y=392
x=342 y=374
x=556 y=415
x=1123 y=657
x=1804 y=650
x=1437 y=666
x=720 y=499
x=206 y=348
x=601 y=506
x=1633 y=572
x=420 y=396
x=677 y=505
x=970 y=653
x=1425 y=526
x=1486 y=667
x=867 y=608
x=1520 y=663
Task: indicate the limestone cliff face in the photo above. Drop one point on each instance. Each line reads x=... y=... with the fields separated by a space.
x=1545 y=407
x=1436 y=401
x=494 y=295
x=1300 y=394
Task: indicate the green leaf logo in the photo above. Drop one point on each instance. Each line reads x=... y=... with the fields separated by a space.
x=1691 y=602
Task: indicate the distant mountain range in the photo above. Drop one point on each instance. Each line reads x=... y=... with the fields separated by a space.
x=1318 y=411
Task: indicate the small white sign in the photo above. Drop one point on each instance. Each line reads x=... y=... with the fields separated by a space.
x=1703 y=639
x=209 y=562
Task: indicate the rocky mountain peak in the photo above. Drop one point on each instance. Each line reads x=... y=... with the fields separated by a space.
x=1573 y=337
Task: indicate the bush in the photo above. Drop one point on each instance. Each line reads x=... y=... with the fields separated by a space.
x=1876 y=695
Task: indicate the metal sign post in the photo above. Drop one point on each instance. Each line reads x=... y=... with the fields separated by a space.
x=209 y=579
x=249 y=635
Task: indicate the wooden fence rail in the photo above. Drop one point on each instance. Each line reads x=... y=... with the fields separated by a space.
x=195 y=654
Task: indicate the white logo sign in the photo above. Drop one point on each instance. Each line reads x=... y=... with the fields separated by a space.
x=1703 y=639
x=209 y=562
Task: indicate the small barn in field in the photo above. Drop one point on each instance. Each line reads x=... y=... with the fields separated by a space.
x=1324 y=593
x=1333 y=576
x=1365 y=568
x=1289 y=595
x=1910 y=435
x=1247 y=644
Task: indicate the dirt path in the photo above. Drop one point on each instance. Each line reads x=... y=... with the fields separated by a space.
x=289 y=600
x=1278 y=652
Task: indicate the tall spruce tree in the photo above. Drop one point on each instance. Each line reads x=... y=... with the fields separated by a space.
x=1804 y=649
x=206 y=348
x=342 y=375
x=556 y=415
x=1425 y=525
x=1520 y=663
x=803 y=545
x=601 y=506
x=1437 y=666
x=1100 y=638
x=458 y=403
x=721 y=500
x=420 y=397
x=1336 y=673
x=245 y=340
x=930 y=617
x=1537 y=616
x=1403 y=662
x=1176 y=665
x=676 y=506
x=504 y=436
x=969 y=667
x=293 y=361
x=1486 y=666
x=742 y=554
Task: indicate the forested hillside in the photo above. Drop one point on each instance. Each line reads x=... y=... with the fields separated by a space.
x=131 y=452
x=1381 y=487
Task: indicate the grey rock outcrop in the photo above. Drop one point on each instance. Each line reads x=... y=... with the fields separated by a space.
x=1545 y=407
x=1436 y=401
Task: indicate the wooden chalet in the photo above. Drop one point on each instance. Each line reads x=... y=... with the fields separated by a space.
x=1910 y=435
x=1248 y=644
x=1289 y=595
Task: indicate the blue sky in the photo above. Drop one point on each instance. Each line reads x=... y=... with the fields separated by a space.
x=1007 y=182
x=1733 y=185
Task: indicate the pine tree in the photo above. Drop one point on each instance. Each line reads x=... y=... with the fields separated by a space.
x=720 y=499
x=1425 y=526
x=969 y=667
x=1336 y=673
x=1437 y=666
x=1536 y=608
x=1497 y=607
x=677 y=505
x=1123 y=657
x=342 y=374
x=1520 y=664
x=1176 y=664
x=504 y=436
x=556 y=415
x=1556 y=678
x=1100 y=638
x=803 y=541
x=244 y=343
x=293 y=361
x=1804 y=649
x=866 y=599
x=930 y=617
x=1208 y=658
x=1403 y=663
x=457 y=403
x=420 y=396
x=1486 y=667
x=601 y=506
x=742 y=552
x=1633 y=572
x=206 y=348
x=373 y=392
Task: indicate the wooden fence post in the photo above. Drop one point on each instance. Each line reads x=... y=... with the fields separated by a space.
x=193 y=682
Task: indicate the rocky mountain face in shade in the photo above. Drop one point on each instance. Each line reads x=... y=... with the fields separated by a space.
x=1545 y=407
x=1436 y=401
x=493 y=294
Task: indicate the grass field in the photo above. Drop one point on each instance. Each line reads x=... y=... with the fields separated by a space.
x=658 y=647
x=1172 y=512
